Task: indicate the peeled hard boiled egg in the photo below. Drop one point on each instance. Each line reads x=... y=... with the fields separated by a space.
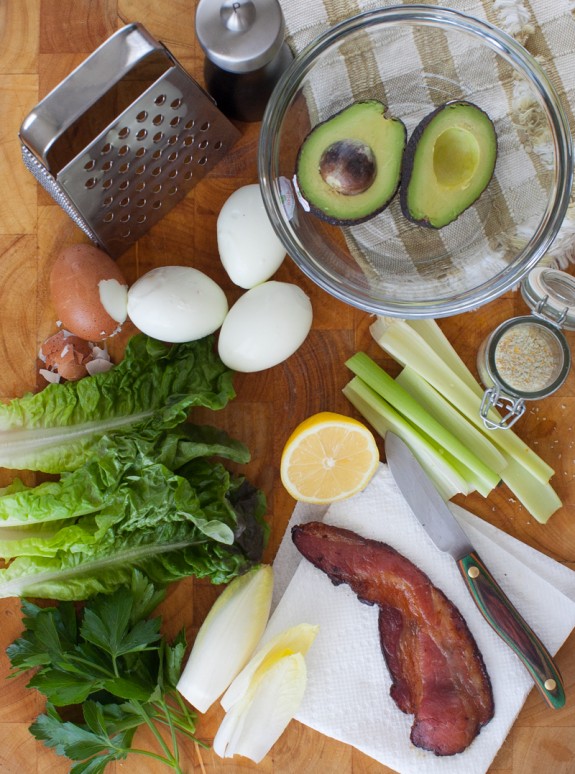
x=89 y=292
x=249 y=248
x=265 y=326
x=176 y=304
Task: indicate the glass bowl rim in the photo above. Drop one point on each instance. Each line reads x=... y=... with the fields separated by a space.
x=514 y=53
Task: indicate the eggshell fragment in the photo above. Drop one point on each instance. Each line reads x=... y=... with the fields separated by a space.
x=265 y=326
x=89 y=292
x=176 y=304
x=69 y=357
x=250 y=250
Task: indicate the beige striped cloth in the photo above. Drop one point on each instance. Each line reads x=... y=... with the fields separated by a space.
x=411 y=75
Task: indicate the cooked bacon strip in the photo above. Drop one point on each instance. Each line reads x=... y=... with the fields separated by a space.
x=437 y=671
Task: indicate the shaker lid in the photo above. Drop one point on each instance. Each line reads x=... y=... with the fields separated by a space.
x=240 y=35
x=551 y=294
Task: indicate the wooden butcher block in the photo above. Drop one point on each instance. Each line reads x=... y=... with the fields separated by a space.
x=41 y=41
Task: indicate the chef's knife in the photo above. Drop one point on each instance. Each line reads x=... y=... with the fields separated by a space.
x=442 y=527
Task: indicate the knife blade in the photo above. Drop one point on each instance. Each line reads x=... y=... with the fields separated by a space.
x=442 y=527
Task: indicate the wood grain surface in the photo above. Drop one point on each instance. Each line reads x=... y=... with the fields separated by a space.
x=41 y=41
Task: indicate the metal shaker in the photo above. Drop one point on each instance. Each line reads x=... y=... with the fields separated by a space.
x=246 y=53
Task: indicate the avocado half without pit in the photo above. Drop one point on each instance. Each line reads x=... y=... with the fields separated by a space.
x=448 y=163
x=348 y=167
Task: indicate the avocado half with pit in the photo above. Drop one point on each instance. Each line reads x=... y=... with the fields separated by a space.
x=348 y=167
x=448 y=163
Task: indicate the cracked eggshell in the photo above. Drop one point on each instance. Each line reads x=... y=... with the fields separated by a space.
x=249 y=248
x=176 y=304
x=265 y=326
x=88 y=292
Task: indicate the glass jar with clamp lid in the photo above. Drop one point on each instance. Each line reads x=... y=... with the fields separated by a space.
x=528 y=357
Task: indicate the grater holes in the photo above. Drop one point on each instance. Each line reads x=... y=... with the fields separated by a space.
x=160 y=99
x=125 y=218
x=123 y=185
x=158 y=137
x=123 y=168
x=173 y=190
x=176 y=103
x=173 y=139
x=156 y=154
x=188 y=175
x=140 y=152
x=158 y=119
x=89 y=165
x=189 y=140
x=91 y=182
x=141 y=203
x=141 y=134
x=173 y=174
x=125 y=201
x=141 y=219
x=141 y=169
x=124 y=132
x=107 y=165
x=190 y=124
x=108 y=217
x=142 y=116
x=173 y=156
x=107 y=184
x=141 y=186
x=123 y=150
x=176 y=120
x=157 y=204
x=157 y=188
x=106 y=149
x=107 y=201
x=218 y=144
x=205 y=126
x=126 y=233
x=203 y=160
x=188 y=159
x=156 y=171
x=203 y=144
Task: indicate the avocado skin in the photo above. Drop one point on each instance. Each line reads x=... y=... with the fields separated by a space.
x=381 y=205
x=409 y=158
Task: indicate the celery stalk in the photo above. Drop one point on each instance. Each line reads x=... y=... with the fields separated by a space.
x=479 y=475
x=450 y=418
x=430 y=332
x=382 y=417
x=407 y=347
x=540 y=499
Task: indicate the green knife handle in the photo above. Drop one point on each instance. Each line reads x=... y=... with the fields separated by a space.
x=510 y=626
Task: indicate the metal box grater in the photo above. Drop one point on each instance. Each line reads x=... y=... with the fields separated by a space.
x=124 y=138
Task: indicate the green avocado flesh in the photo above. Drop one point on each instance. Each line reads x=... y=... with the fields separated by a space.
x=348 y=167
x=448 y=163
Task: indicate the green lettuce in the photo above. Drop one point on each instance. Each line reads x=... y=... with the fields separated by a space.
x=206 y=522
x=155 y=385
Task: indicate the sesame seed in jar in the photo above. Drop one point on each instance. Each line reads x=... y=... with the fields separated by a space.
x=528 y=357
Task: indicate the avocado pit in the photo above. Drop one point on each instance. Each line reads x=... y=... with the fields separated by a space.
x=348 y=166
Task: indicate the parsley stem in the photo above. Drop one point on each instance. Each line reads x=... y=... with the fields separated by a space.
x=149 y=754
x=169 y=718
x=151 y=725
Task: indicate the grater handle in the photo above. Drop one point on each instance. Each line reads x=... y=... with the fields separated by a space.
x=90 y=81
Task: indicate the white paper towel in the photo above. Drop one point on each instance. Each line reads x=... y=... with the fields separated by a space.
x=347 y=696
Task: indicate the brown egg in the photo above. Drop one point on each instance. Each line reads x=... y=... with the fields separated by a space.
x=89 y=292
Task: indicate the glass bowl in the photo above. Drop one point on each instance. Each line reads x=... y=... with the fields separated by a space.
x=413 y=59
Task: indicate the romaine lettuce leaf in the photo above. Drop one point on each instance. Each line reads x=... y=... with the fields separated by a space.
x=164 y=531
x=155 y=384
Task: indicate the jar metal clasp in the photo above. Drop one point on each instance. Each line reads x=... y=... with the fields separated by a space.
x=512 y=409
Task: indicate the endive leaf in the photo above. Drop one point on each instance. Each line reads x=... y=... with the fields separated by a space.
x=297 y=639
x=227 y=638
x=255 y=722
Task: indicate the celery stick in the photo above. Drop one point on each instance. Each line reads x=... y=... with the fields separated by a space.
x=480 y=476
x=382 y=417
x=407 y=347
x=539 y=499
x=430 y=331
x=451 y=419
